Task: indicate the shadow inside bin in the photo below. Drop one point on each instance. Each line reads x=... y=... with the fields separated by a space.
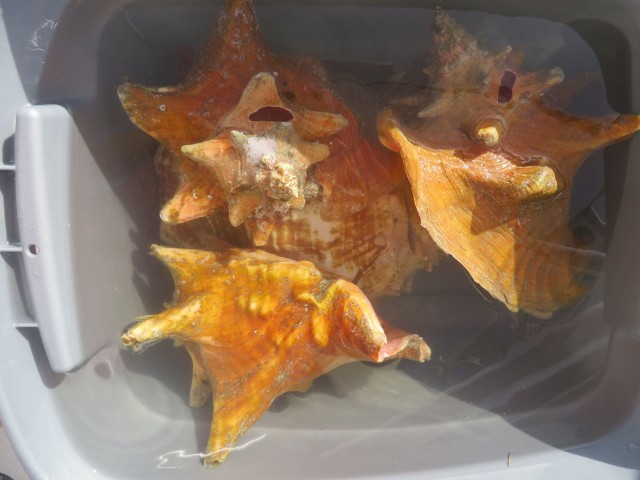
x=48 y=376
x=170 y=365
x=151 y=279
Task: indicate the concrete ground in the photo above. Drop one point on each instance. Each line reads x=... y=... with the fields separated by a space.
x=9 y=465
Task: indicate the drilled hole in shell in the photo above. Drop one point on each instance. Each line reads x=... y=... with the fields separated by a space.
x=271 y=114
x=505 y=91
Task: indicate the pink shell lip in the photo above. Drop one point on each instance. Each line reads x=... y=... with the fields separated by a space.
x=405 y=346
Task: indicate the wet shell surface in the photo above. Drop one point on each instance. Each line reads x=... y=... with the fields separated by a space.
x=491 y=164
x=279 y=324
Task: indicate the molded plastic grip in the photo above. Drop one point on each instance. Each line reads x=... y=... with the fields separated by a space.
x=44 y=137
x=75 y=235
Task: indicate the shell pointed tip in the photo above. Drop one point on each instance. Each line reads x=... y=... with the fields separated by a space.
x=188 y=150
x=212 y=462
x=157 y=250
x=556 y=75
x=425 y=352
x=122 y=89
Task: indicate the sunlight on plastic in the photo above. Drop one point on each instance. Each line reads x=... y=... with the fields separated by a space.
x=181 y=454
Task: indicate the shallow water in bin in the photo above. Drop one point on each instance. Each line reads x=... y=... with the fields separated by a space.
x=134 y=407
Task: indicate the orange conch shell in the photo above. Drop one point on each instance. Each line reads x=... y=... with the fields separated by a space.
x=353 y=169
x=491 y=167
x=277 y=325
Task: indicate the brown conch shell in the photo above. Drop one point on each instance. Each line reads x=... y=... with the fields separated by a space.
x=277 y=325
x=491 y=166
x=198 y=110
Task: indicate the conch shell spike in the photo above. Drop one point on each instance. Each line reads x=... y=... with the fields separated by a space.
x=261 y=91
x=313 y=126
x=242 y=205
x=188 y=203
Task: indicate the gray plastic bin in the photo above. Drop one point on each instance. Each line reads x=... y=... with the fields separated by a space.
x=78 y=211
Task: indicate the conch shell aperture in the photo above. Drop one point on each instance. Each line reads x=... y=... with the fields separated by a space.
x=257 y=325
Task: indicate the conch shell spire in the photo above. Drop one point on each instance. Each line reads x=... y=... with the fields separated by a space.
x=278 y=325
x=491 y=167
x=261 y=155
